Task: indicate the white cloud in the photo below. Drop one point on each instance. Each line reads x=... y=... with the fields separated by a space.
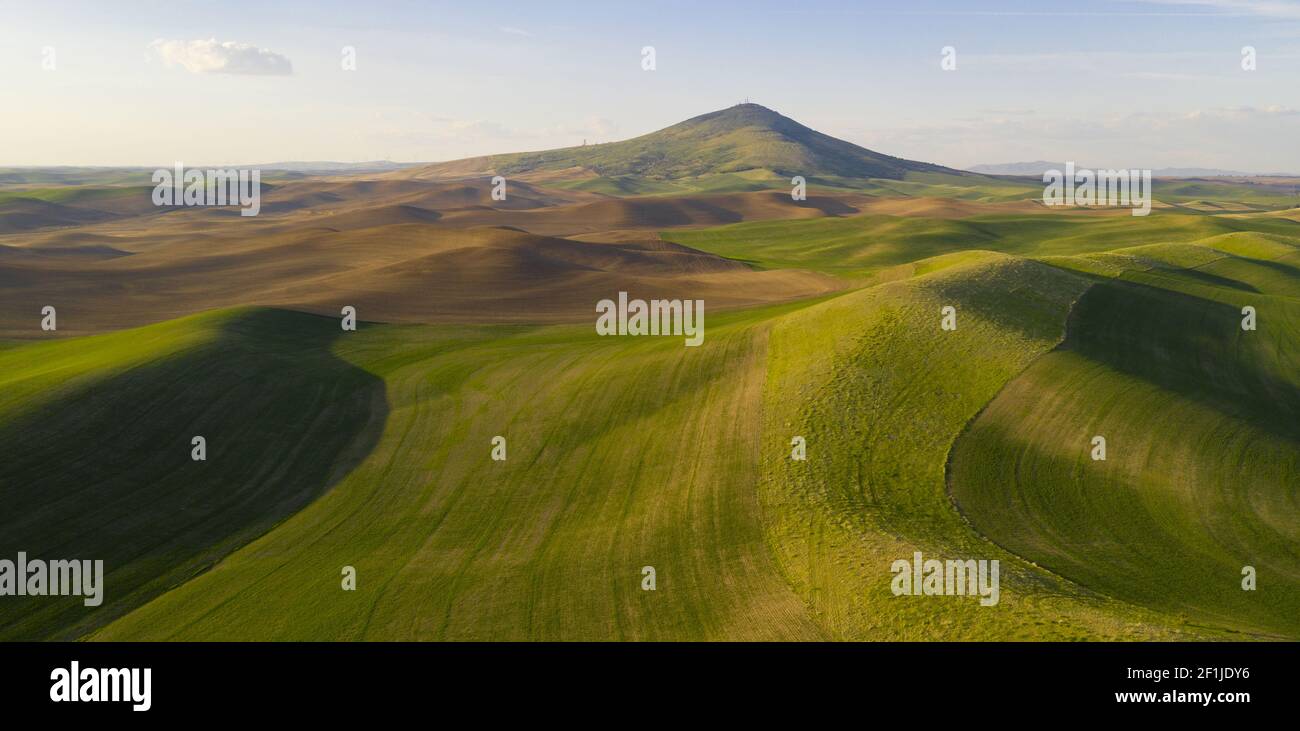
x=230 y=57
x=516 y=32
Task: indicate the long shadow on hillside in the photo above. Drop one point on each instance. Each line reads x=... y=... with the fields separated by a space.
x=1123 y=539
x=1214 y=280
x=105 y=470
x=1191 y=346
x=1280 y=267
x=999 y=293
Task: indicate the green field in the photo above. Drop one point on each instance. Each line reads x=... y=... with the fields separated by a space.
x=371 y=449
x=1202 y=422
x=95 y=441
x=858 y=246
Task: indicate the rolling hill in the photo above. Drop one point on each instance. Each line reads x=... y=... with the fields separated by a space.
x=1202 y=445
x=370 y=449
x=740 y=139
x=117 y=413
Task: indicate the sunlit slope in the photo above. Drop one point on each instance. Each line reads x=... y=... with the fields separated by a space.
x=95 y=450
x=632 y=452
x=621 y=453
x=625 y=453
x=880 y=391
x=738 y=139
x=862 y=245
x=1202 y=428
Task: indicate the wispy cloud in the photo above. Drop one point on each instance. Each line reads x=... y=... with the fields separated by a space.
x=1261 y=8
x=1087 y=59
x=1170 y=76
x=1243 y=113
x=229 y=57
x=516 y=31
x=1238 y=138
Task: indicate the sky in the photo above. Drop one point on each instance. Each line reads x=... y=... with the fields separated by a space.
x=1152 y=83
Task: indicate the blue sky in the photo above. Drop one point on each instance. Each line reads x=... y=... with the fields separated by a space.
x=1133 y=84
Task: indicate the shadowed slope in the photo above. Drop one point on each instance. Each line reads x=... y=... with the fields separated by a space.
x=95 y=450
x=1202 y=429
x=26 y=214
x=622 y=453
x=879 y=391
x=413 y=272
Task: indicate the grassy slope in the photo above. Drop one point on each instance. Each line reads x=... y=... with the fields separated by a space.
x=861 y=245
x=622 y=453
x=741 y=138
x=632 y=452
x=933 y=184
x=1201 y=421
x=1218 y=191
x=95 y=449
x=880 y=392
x=633 y=185
x=625 y=453
x=74 y=194
x=1212 y=195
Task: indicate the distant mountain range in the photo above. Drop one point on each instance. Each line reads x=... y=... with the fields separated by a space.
x=325 y=166
x=1038 y=167
x=141 y=174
